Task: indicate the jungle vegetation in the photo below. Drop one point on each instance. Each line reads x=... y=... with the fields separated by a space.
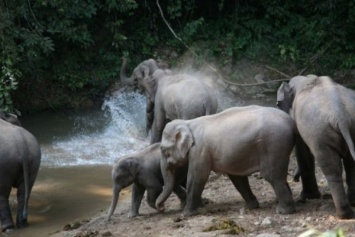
x=55 y=50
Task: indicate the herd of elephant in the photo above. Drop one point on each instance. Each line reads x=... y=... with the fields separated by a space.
x=189 y=139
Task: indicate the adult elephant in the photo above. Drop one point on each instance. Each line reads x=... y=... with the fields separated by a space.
x=20 y=158
x=324 y=112
x=175 y=96
x=238 y=142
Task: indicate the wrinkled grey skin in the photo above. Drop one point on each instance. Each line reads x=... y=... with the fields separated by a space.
x=20 y=158
x=175 y=96
x=142 y=169
x=324 y=112
x=238 y=142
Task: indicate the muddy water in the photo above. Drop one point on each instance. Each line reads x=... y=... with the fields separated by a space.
x=63 y=195
x=78 y=150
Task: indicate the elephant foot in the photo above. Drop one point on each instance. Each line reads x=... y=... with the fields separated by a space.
x=285 y=209
x=253 y=204
x=22 y=224
x=346 y=214
x=187 y=212
x=7 y=227
x=310 y=195
x=132 y=214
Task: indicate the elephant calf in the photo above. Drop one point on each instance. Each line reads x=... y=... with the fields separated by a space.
x=142 y=169
x=238 y=142
x=20 y=158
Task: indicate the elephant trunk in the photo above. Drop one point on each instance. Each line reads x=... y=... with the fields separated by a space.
x=116 y=193
x=123 y=76
x=168 y=188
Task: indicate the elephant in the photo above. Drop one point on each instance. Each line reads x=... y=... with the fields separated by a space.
x=238 y=142
x=142 y=169
x=20 y=159
x=140 y=72
x=9 y=117
x=175 y=96
x=324 y=113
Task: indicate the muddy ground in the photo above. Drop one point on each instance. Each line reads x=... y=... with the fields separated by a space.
x=224 y=215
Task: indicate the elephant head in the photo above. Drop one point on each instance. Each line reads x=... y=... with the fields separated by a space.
x=123 y=175
x=176 y=143
x=287 y=91
x=11 y=118
x=141 y=72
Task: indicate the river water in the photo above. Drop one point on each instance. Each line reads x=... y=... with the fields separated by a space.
x=78 y=150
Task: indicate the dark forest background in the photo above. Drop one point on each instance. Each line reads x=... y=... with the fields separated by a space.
x=56 y=51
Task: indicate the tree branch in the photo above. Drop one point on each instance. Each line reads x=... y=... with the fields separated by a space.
x=278 y=71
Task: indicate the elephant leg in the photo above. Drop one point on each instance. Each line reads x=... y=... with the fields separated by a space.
x=349 y=166
x=285 y=204
x=149 y=115
x=241 y=183
x=181 y=193
x=152 y=195
x=196 y=181
x=158 y=125
x=21 y=219
x=277 y=177
x=306 y=167
x=6 y=220
x=331 y=165
x=137 y=196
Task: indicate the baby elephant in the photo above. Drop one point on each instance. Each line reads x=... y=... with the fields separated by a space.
x=142 y=169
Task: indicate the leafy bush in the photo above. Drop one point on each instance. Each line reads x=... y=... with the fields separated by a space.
x=79 y=44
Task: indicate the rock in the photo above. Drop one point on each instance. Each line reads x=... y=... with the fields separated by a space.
x=106 y=234
x=267 y=221
x=268 y=235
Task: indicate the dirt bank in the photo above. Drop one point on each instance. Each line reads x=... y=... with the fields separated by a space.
x=225 y=211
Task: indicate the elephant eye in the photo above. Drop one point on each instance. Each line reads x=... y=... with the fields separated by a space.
x=165 y=153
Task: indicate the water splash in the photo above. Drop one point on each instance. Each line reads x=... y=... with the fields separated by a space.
x=100 y=137
x=101 y=140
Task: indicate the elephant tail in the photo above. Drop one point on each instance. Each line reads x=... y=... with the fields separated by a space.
x=25 y=165
x=344 y=130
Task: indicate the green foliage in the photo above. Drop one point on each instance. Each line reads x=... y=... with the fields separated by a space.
x=8 y=83
x=78 y=44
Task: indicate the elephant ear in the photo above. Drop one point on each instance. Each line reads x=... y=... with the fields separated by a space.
x=281 y=91
x=131 y=165
x=183 y=141
x=284 y=97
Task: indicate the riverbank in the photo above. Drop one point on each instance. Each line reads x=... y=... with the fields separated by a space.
x=223 y=215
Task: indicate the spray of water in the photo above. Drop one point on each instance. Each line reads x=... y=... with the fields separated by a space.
x=123 y=132
x=101 y=141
